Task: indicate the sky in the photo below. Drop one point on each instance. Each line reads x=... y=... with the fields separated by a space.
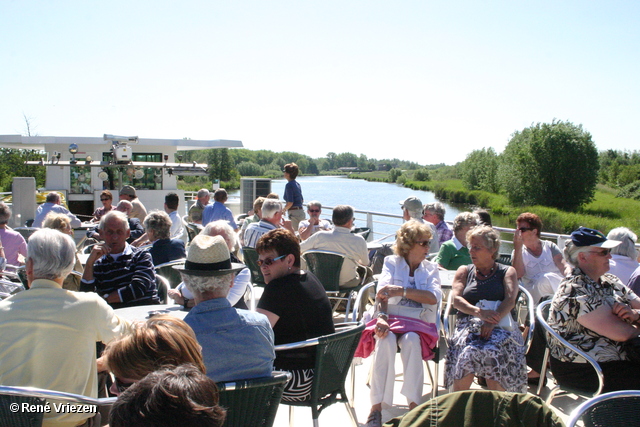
x=426 y=81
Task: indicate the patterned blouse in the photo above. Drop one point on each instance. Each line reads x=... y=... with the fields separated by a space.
x=576 y=296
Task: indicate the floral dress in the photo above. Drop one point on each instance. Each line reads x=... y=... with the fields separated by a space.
x=500 y=357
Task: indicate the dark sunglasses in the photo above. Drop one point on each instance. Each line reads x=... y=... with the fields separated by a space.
x=314 y=210
x=102 y=200
x=603 y=252
x=269 y=261
x=523 y=229
x=121 y=387
x=424 y=243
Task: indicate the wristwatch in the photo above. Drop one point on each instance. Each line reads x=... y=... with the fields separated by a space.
x=384 y=315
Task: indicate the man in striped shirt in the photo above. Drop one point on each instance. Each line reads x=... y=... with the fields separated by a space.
x=120 y=273
x=271 y=219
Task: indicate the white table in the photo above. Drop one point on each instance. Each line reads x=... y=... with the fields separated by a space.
x=144 y=312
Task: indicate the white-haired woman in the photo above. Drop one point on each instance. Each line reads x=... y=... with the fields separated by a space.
x=242 y=278
x=624 y=257
x=479 y=346
x=164 y=249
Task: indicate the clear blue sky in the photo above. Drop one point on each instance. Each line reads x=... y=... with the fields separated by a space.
x=428 y=81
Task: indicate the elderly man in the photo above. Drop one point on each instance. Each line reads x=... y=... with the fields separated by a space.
x=138 y=210
x=49 y=334
x=202 y=200
x=52 y=204
x=314 y=223
x=15 y=247
x=236 y=344
x=341 y=240
x=271 y=219
x=123 y=275
x=412 y=209
x=164 y=248
x=434 y=213
x=218 y=210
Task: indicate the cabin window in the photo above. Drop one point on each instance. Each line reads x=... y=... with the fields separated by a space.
x=139 y=177
x=80 y=179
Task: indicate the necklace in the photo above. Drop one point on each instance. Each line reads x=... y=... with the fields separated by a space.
x=488 y=274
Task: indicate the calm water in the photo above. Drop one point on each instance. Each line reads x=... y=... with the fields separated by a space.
x=362 y=195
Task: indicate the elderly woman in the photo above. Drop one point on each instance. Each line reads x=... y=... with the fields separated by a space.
x=624 y=257
x=106 y=198
x=595 y=312
x=293 y=195
x=164 y=248
x=162 y=341
x=241 y=280
x=480 y=344
x=296 y=305
x=538 y=263
x=62 y=223
x=408 y=281
x=454 y=253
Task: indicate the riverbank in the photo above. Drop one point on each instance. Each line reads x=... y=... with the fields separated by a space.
x=605 y=212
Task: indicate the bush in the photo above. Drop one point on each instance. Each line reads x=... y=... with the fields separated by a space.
x=550 y=164
x=249 y=169
x=479 y=171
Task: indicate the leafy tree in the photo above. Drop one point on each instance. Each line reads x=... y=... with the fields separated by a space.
x=12 y=165
x=551 y=164
x=479 y=171
x=220 y=166
x=421 y=175
x=249 y=169
x=394 y=174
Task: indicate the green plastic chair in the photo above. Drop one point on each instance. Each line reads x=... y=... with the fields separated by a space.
x=334 y=354
x=252 y=402
x=250 y=257
x=167 y=271
x=9 y=394
x=326 y=266
x=614 y=409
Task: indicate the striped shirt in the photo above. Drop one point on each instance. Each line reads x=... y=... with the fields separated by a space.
x=255 y=230
x=131 y=273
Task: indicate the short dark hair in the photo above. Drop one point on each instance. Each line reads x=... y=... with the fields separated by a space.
x=342 y=214
x=292 y=169
x=5 y=213
x=172 y=397
x=52 y=197
x=172 y=200
x=107 y=194
x=220 y=195
x=282 y=241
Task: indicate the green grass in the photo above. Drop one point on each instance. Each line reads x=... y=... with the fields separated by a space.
x=605 y=212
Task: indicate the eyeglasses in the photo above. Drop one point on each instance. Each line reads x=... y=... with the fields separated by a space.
x=314 y=210
x=604 y=252
x=121 y=386
x=102 y=200
x=269 y=261
x=523 y=229
x=424 y=243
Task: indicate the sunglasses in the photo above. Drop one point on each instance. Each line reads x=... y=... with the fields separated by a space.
x=121 y=386
x=424 y=243
x=314 y=210
x=523 y=229
x=269 y=261
x=603 y=252
x=102 y=200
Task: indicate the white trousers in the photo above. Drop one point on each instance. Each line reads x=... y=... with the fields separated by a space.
x=383 y=373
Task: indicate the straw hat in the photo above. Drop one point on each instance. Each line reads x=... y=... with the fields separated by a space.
x=208 y=256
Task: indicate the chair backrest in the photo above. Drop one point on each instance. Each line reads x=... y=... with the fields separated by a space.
x=252 y=402
x=163 y=288
x=250 y=257
x=334 y=354
x=20 y=418
x=362 y=231
x=35 y=395
x=8 y=288
x=167 y=271
x=26 y=232
x=615 y=409
x=542 y=313
x=504 y=259
x=326 y=266
x=192 y=230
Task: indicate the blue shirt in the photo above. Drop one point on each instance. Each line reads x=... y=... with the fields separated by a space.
x=293 y=193
x=236 y=344
x=218 y=211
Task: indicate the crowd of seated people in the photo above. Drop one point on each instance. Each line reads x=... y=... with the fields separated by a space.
x=586 y=283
